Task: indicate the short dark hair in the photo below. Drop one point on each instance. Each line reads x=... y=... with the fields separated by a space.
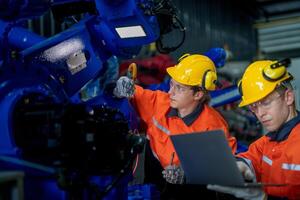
x=206 y=96
x=283 y=86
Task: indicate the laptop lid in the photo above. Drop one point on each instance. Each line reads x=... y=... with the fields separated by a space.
x=206 y=158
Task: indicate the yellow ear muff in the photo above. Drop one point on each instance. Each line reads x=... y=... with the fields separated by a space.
x=274 y=74
x=209 y=80
x=276 y=71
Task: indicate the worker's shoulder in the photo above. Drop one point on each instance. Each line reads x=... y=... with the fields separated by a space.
x=211 y=117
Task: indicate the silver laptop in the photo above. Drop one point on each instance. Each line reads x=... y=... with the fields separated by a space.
x=206 y=158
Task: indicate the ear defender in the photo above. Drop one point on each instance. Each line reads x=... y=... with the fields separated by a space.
x=276 y=71
x=209 y=80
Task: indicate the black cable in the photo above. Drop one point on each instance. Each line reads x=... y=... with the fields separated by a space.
x=169 y=21
x=165 y=50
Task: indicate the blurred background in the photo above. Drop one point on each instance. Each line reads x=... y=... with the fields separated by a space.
x=247 y=30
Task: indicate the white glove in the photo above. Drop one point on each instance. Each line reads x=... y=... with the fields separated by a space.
x=254 y=193
x=124 y=87
x=244 y=193
x=173 y=174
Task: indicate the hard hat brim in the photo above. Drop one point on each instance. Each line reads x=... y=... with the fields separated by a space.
x=172 y=72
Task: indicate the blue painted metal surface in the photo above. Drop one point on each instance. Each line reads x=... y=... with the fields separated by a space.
x=21 y=38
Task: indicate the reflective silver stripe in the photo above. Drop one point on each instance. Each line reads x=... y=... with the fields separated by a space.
x=163 y=129
x=267 y=160
x=294 y=167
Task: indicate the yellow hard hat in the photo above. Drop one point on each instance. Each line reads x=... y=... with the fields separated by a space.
x=260 y=79
x=195 y=70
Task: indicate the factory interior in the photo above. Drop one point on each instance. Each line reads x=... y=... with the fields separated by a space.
x=92 y=101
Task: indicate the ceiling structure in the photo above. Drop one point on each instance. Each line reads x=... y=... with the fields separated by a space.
x=278 y=27
x=278 y=9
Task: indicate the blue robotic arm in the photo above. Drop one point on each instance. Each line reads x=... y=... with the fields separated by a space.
x=76 y=55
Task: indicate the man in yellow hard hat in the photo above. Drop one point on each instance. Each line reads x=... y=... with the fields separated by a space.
x=184 y=109
x=274 y=158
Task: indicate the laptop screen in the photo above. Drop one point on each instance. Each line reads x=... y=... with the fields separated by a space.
x=206 y=158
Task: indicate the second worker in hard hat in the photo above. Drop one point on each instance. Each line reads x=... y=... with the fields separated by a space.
x=184 y=109
x=274 y=158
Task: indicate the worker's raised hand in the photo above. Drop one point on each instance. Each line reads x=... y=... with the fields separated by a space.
x=174 y=174
x=124 y=87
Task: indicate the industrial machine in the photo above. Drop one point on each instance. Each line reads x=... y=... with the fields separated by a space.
x=67 y=147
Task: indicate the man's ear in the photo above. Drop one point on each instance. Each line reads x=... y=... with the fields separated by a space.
x=289 y=97
x=198 y=95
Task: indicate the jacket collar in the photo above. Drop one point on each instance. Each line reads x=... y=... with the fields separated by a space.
x=190 y=118
x=285 y=130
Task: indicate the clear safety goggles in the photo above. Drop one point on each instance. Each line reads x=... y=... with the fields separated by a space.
x=265 y=103
x=178 y=88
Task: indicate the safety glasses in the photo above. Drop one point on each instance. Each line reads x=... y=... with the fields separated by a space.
x=178 y=88
x=265 y=103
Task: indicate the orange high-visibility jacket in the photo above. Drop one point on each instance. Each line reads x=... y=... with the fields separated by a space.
x=277 y=162
x=153 y=108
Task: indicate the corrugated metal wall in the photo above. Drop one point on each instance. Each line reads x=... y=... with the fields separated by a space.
x=212 y=23
x=280 y=39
